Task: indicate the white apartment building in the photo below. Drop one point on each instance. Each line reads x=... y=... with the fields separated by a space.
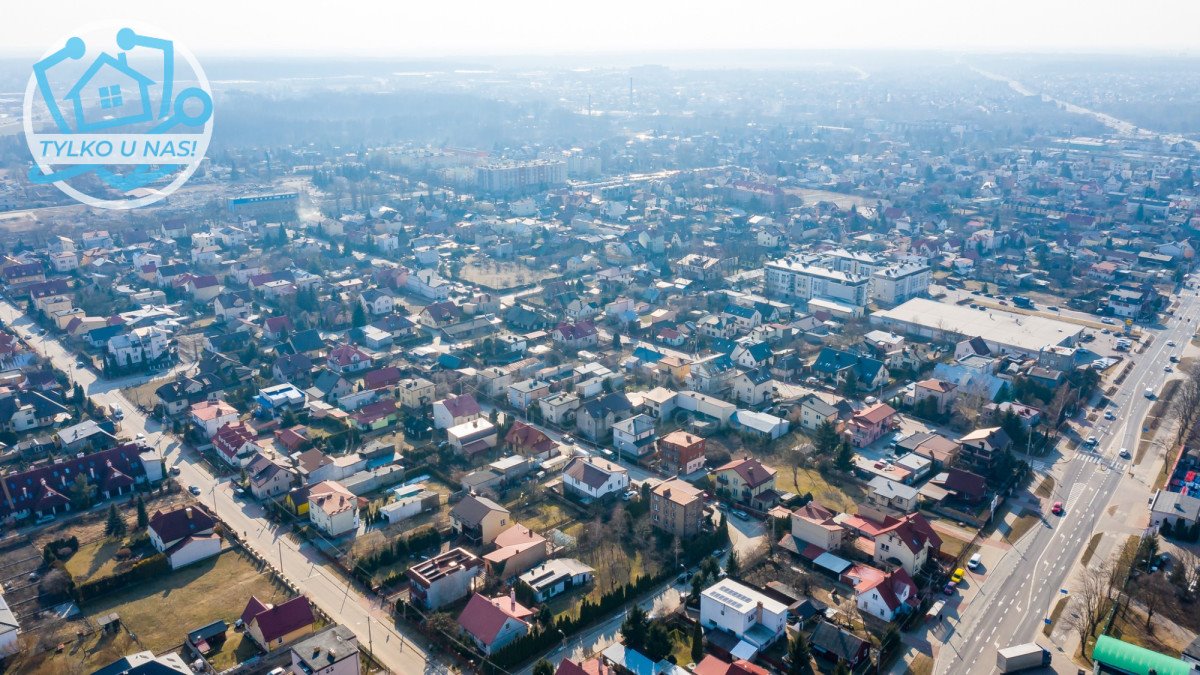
x=795 y=279
x=901 y=282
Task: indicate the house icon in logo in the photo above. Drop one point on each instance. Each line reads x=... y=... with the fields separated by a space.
x=123 y=94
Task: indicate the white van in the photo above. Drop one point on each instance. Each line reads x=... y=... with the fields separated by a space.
x=973 y=563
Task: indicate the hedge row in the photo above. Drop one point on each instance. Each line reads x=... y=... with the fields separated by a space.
x=143 y=570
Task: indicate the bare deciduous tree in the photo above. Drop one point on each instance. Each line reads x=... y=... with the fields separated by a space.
x=1091 y=596
x=1185 y=403
x=1151 y=592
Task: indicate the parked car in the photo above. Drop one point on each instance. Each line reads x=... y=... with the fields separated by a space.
x=948 y=589
x=194 y=489
x=958 y=575
x=741 y=514
x=974 y=562
x=174 y=471
x=1108 y=415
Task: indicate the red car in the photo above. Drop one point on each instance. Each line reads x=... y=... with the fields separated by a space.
x=1057 y=509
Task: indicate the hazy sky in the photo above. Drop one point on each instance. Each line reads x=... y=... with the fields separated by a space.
x=448 y=27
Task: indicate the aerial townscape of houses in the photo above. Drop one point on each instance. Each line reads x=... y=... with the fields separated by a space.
x=509 y=409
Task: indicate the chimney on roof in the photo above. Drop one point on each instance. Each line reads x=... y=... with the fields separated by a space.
x=188 y=511
x=512 y=598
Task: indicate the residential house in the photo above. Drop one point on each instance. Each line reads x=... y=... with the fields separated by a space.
x=595 y=417
x=271 y=626
x=884 y=595
x=479 y=519
x=236 y=444
x=634 y=437
x=521 y=395
x=981 y=447
x=744 y=612
x=871 y=423
x=677 y=507
x=333 y=651
x=815 y=525
x=591 y=478
x=346 y=358
x=890 y=497
x=444 y=579
x=815 y=411
x=681 y=452
x=578 y=335
x=493 y=623
x=754 y=387
x=474 y=437
x=529 y=441
x=940 y=392
x=836 y=644
x=269 y=478
x=184 y=535
x=554 y=577
x=332 y=508
x=377 y=302
x=210 y=416
x=456 y=410
x=906 y=541
x=747 y=481
x=835 y=366
x=516 y=549
x=375 y=416
x=559 y=408
x=416 y=393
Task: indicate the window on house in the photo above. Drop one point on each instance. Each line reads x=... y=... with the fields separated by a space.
x=110 y=97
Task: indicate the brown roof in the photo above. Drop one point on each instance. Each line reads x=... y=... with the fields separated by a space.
x=276 y=622
x=679 y=491
x=181 y=522
x=483 y=617
x=473 y=508
x=876 y=413
x=752 y=472
x=592 y=471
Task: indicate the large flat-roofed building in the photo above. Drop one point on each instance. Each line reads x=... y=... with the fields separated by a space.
x=796 y=279
x=1004 y=332
x=281 y=204
x=521 y=176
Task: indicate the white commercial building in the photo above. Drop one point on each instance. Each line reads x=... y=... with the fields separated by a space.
x=1004 y=332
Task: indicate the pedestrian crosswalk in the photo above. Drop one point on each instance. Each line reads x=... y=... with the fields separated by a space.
x=1092 y=458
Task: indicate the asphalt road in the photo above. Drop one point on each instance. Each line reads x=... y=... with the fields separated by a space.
x=1016 y=595
x=304 y=567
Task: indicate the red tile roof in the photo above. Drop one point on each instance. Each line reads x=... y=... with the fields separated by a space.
x=483 y=617
x=276 y=622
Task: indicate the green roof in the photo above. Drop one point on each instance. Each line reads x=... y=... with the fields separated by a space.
x=1134 y=659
